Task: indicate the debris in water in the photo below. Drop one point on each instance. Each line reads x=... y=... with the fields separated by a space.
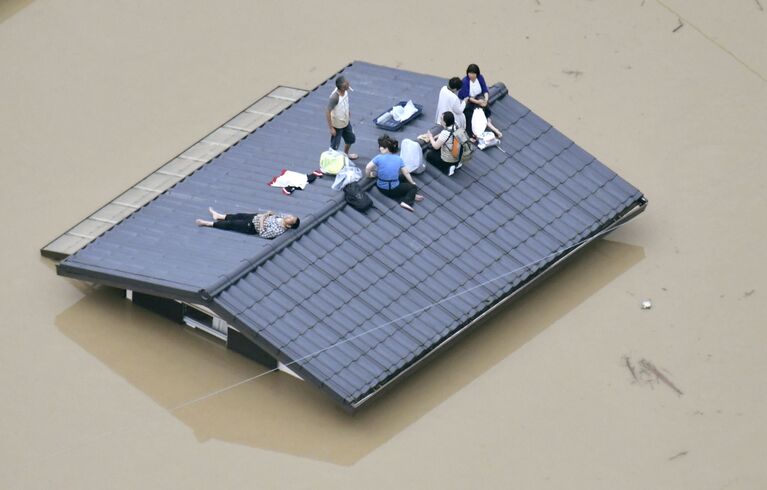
x=679 y=26
x=650 y=368
x=759 y=4
x=646 y=304
x=574 y=73
x=678 y=455
x=749 y=293
x=631 y=368
x=646 y=373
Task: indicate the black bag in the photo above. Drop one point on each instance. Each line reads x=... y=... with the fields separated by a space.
x=356 y=197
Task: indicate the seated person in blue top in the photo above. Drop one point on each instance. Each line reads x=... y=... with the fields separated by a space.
x=441 y=153
x=474 y=92
x=265 y=225
x=393 y=179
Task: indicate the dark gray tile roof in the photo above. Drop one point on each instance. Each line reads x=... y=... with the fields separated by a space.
x=357 y=299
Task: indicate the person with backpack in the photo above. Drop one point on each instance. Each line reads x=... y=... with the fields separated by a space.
x=392 y=177
x=448 y=147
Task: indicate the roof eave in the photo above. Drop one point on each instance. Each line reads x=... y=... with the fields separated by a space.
x=110 y=278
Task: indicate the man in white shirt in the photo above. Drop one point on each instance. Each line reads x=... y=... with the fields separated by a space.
x=449 y=101
x=338 y=116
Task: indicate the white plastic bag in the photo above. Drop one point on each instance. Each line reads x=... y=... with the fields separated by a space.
x=401 y=113
x=398 y=113
x=478 y=121
x=412 y=155
x=383 y=118
x=332 y=161
x=350 y=173
x=486 y=140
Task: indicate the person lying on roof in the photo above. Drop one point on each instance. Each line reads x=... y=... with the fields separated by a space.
x=265 y=225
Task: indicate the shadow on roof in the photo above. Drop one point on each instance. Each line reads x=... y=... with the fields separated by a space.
x=279 y=413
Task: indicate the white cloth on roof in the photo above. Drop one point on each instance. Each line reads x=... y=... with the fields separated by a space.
x=289 y=178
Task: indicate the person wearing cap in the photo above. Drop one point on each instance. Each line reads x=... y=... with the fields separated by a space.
x=338 y=116
x=266 y=225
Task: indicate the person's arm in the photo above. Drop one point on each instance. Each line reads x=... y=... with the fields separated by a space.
x=432 y=141
x=332 y=103
x=483 y=86
x=463 y=94
x=262 y=220
x=371 y=169
x=437 y=142
x=330 y=124
x=405 y=173
x=485 y=95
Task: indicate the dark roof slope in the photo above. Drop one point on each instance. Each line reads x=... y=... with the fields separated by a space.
x=357 y=300
x=352 y=301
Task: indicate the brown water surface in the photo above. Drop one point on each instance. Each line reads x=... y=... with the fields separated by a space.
x=573 y=386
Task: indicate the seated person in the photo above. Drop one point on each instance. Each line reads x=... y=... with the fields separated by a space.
x=393 y=179
x=474 y=94
x=441 y=154
x=265 y=225
x=449 y=101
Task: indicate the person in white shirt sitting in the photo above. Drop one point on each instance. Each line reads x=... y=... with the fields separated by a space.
x=449 y=101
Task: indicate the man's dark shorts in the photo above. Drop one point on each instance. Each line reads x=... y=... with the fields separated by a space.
x=346 y=133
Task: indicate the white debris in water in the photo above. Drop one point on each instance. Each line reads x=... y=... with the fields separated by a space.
x=646 y=304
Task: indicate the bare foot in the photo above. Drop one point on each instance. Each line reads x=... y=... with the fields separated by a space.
x=216 y=215
x=418 y=198
x=407 y=206
x=202 y=222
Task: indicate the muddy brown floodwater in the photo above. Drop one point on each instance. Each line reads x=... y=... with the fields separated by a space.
x=573 y=386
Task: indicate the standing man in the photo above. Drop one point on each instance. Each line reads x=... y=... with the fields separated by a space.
x=449 y=101
x=339 y=118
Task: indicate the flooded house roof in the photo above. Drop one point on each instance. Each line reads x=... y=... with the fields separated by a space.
x=352 y=301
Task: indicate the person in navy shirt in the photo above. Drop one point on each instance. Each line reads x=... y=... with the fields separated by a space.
x=475 y=93
x=392 y=178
